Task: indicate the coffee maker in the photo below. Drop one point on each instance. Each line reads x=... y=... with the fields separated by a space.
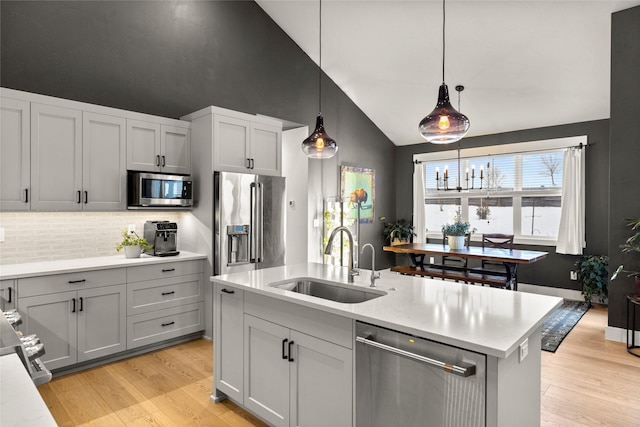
x=163 y=235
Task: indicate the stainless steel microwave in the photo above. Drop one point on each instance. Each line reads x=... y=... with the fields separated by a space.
x=146 y=189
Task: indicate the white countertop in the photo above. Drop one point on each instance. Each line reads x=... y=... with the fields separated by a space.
x=20 y=402
x=43 y=268
x=487 y=320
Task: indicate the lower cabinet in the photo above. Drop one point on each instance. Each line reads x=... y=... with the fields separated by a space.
x=156 y=326
x=77 y=325
x=228 y=336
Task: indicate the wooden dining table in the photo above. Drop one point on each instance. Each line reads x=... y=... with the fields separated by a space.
x=511 y=258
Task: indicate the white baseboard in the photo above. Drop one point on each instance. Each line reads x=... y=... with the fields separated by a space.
x=569 y=294
x=613 y=333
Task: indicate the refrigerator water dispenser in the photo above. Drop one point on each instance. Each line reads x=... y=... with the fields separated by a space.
x=237 y=244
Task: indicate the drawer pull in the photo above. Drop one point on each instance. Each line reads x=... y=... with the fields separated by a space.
x=81 y=304
x=77 y=281
x=227 y=291
x=73 y=303
x=9 y=289
x=284 y=344
x=291 y=351
x=169 y=293
x=168 y=324
x=166 y=270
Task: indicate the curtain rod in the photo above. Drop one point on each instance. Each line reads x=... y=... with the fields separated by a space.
x=579 y=146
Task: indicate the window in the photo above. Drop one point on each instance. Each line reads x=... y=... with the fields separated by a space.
x=511 y=189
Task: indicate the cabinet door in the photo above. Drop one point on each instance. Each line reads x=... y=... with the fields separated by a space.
x=102 y=328
x=175 y=150
x=104 y=157
x=321 y=382
x=266 y=149
x=231 y=139
x=266 y=370
x=53 y=318
x=56 y=158
x=229 y=367
x=143 y=146
x=15 y=166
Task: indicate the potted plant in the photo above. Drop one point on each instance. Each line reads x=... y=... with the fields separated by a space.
x=132 y=244
x=593 y=274
x=397 y=233
x=632 y=244
x=456 y=232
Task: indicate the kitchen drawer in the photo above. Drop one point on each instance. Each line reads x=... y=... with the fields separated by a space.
x=156 y=326
x=163 y=270
x=320 y=324
x=55 y=283
x=143 y=297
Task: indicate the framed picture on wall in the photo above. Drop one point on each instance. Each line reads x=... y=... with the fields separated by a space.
x=357 y=188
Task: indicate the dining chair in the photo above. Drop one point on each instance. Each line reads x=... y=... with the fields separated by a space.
x=454 y=260
x=496 y=240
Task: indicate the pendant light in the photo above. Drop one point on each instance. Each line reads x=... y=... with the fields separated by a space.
x=444 y=125
x=319 y=145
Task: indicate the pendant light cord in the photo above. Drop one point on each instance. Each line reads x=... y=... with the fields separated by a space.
x=320 y=61
x=443 y=50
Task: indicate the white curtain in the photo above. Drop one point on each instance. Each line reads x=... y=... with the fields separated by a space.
x=571 y=236
x=418 y=203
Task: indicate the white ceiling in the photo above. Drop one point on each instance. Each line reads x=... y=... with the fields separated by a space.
x=524 y=64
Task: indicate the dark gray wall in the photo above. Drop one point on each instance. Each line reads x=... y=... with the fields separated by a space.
x=624 y=191
x=171 y=58
x=554 y=269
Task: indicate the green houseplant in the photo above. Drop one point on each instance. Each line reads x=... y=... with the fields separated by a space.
x=456 y=231
x=632 y=244
x=132 y=244
x=397 y=233
x=593 y=274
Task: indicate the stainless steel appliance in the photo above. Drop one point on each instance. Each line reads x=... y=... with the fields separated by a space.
x=248 y=222
x=402 y=380
x=28 y=348
x=163 y=235
x=146 y=189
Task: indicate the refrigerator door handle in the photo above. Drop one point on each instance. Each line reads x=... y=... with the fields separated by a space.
x=252 y=223
x=260 y=222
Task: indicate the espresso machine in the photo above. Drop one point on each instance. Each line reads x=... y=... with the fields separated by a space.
x=163 y=235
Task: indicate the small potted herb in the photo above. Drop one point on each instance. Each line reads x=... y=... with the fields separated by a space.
x=132 y=244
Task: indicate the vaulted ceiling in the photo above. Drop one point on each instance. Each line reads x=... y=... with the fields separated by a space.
x=524 y=64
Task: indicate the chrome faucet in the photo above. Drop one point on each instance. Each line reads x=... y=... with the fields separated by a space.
x=327 y=250
x=374 y=275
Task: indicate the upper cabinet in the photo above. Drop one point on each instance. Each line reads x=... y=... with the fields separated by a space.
x=240 y=142
x=154 y=147
x=15 y=163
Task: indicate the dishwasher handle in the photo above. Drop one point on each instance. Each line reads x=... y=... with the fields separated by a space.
x=447 y=367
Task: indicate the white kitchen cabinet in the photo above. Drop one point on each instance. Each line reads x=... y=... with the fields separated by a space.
x=295 y=379
x=78 y=316
x=56 y=158
x=246 y=146
x=104 y=177
x=229 y=333
x=155 y=147
x=15 y=162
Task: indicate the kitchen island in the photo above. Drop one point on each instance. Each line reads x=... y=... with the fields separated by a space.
x=257 y=326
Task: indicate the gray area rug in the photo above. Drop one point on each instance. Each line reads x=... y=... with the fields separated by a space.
x=560 y=322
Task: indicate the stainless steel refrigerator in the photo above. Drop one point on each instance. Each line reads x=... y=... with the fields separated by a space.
x=249 y=222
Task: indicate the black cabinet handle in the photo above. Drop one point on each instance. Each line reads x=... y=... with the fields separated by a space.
x=252 y=163
x=164 y=163
x=86 y=197
x=166 y=270
x=81 y=304
x=79 y=196
x=158 y=160
x=284 y=344
x=168 y=324
x=73 y=305
x=227 y=291
x=9 y=288
x=26 y=195
x=77 y=281
x=290 y=351
x=169 y=293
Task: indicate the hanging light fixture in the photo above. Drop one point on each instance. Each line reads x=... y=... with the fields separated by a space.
x=444 y=124
x=319 y=145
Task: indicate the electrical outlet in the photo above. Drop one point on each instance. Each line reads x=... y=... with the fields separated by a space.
x=132 y=228
x=573 y=275
x=1 y=234
x=523 y=350
x=432 y=260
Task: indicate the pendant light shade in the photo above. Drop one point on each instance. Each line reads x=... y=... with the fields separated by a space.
x=444 y=124
x=319 y=145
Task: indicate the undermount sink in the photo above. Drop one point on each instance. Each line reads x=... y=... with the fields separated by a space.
x=348 y=294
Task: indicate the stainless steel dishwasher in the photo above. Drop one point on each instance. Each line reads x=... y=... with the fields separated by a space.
x=402 y=380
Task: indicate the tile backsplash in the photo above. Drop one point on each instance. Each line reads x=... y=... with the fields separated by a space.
x=47 y=236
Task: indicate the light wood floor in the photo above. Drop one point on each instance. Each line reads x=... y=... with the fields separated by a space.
x=587 y=382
